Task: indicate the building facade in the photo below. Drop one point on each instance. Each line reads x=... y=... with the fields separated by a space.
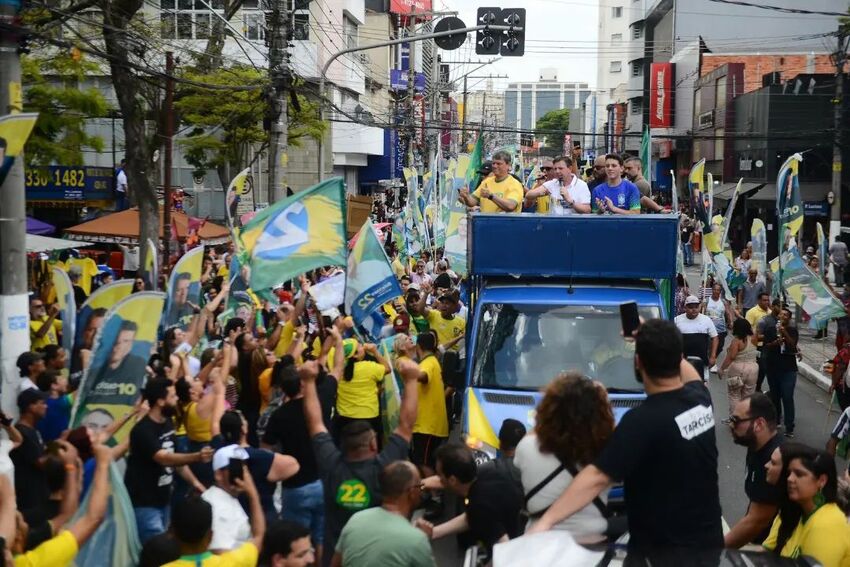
x=525 y=103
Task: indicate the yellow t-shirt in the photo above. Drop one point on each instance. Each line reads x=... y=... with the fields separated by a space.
x=51 y=337
x=824 y=536
x=287 y=335
x=754 y=316
x=507 y=188
x=358 y=398
x=432 y=418
x=89 y=271
x=58 y=551
x=198 y=429
x=398 y=268
x=446 y=329
x=543 y=204
x=246 y=555
x=264 y=384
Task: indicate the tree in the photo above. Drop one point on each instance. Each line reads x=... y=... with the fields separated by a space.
x=51 y=89
x=225 y=127
x=553 y=126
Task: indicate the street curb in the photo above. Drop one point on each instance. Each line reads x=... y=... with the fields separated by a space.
x=816 y=377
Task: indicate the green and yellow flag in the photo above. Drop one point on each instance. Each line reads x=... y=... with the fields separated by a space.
x=788 y=202
x=295 y=235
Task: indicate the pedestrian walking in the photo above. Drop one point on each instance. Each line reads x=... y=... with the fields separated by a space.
x=838 y=258
x=740 y=367
x=718 y=310
x=698 y=333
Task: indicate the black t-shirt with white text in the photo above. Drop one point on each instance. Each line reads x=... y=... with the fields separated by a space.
x=665 y=453
x=149 y=483
x=493 y=506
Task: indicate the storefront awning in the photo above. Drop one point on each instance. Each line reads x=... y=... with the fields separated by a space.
x=724 y=191
x=123 y=228
x=37 y=243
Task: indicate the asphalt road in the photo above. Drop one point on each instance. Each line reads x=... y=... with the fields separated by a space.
x=812 y=428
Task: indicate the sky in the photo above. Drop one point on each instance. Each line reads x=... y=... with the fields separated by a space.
x=560 y=34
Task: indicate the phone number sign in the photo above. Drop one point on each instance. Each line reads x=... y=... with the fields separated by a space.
x=63 y=183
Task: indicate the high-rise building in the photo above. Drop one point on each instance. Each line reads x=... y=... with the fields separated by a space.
x=525 y=103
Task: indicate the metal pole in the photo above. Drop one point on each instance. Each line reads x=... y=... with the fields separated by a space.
x=169 y=139
x=338 y=54
x=14 y=307
x=839 y=58
x=465 y=114
x=279 y=74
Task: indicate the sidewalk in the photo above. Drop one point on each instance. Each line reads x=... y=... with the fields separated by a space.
x=815 y=353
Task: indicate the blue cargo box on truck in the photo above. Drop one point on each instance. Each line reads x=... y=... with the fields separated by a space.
x=545 y=293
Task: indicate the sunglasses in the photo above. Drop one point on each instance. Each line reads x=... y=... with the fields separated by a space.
x=735 y=420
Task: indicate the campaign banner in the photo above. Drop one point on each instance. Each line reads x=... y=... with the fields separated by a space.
x=113 y=382
x=758 y=236
x=823 y=253
x=184 y=290
x=14 y=131
x=808 y=290
x=680 y=254
x=789 y=205
x=67 y=310
x=465 y=175
x=150 y=270
x=298 y=234
x=329 y=293
x=104 y=297
x=239 y=198
x=390 y=392
x=370 y=281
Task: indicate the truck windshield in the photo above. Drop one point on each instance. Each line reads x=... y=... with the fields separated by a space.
x=525 y=346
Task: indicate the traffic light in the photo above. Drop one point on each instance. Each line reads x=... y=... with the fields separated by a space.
x=487 y=41
x=513 y=40
x=508 y=43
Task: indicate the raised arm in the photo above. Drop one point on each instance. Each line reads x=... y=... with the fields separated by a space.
x=312 y=408
x=372 y=349
x=71 y=487
x=339 y=355
x=83 y=528
x=255 y=508
x=409 y=400
x=52 y=312
x=8 y=509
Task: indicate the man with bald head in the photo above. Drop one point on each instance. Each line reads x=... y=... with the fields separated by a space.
x=598 y=176
x=384 y=536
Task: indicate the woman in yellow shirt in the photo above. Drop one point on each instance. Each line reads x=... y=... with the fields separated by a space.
x=811 y=523
x=357 y=392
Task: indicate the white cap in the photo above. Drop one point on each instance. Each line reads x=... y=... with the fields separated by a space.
x=333 y=313
x=222 y=457
x=691 y=299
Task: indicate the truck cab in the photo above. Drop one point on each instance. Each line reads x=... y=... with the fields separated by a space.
x=544 y=299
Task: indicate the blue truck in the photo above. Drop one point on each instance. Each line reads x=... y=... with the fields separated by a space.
x=544 y=297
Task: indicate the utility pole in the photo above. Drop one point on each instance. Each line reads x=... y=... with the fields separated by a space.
x=14 y=307
x=465 y=114
x=278 y=26
x=169 y=142
x=411 y=90
x=839 y=58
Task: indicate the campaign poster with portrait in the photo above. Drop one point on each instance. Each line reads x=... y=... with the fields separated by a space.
x=104 y=297
x=114 y=381
x=184 y=290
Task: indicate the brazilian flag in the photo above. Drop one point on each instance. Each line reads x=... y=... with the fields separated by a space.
x=298 y=234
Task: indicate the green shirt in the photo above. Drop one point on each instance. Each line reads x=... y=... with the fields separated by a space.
x=378 y=538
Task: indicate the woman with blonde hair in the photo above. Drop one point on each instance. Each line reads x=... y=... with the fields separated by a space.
x=573 y=423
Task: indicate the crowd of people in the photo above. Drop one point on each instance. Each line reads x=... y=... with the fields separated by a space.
x=264 y=438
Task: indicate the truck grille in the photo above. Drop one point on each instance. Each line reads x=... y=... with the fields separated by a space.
x=509 y=399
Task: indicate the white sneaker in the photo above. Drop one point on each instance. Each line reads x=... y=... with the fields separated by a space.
x=713 y=369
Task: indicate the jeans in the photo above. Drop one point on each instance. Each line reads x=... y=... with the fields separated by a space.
x=782 y=386
x=151 y=521
x=688 y=253
x=120 y=201
x=306 y=505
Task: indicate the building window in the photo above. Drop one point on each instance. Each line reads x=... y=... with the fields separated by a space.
x=616 y=37
x=719 y=143
x=616 y=66
x=349 y=28
x=720 y=92
x=301 y=27
x=187 y=19
x=697 y=102
x=637 y=69
x=637 y=32
x=635 y=108
x=616 y=11
x=254 y=27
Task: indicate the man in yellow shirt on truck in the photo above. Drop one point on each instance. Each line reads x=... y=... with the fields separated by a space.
x=500 y=193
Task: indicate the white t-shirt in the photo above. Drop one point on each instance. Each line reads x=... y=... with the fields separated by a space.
x=131 y=257
x=534 y=467
x=121 y=182
x=716 y=311
x=230 y=525
x=577 y=190
x=699 y=324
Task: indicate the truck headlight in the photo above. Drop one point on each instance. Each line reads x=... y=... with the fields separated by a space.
x=481 y=452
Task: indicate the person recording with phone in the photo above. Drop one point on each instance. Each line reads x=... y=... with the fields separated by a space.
x=231 y=527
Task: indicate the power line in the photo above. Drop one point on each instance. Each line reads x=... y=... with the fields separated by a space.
x=780 y=8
